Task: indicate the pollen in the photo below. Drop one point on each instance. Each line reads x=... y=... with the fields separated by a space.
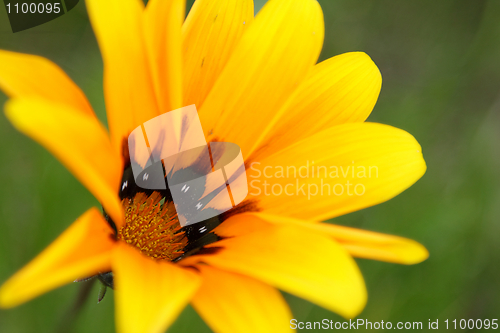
x=152 y=226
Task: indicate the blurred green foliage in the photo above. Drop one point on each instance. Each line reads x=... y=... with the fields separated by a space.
x=440 y=62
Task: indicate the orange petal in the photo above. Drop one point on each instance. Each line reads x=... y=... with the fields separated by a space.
x=149 y=294
x=79 y=141
x=84 y=249
x=231 y=303
x=342 y=89
x=295 y=260
x=210 y=34
x=272 y=57
x=162 y=33
x=336 y=171
x=24 y=75
x=128 y=85
x=359 y=243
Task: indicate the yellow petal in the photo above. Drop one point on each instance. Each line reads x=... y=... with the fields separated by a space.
x=79 y=141
x=295 y=260
x=210 y=34
x=149 y=294
x=230 y=303
x=128 y=85
x=342 y=89
x=84 y=249
x=162 y=33
x=24 y=75
x=336 y=171
x=359 y=243
x=273 y=56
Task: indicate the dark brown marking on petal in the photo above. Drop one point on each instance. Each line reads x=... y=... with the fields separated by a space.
x=210 y=250
x=125 y=152
x=247 y=206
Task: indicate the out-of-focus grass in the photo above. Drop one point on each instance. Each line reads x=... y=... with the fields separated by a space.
x=440 y=61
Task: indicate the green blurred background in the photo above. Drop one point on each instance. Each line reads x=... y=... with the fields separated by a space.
x=440 y=62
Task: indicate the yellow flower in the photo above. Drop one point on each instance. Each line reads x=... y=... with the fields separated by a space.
x=256 y=83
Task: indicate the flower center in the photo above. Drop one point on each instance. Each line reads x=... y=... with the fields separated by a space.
x=152 y=226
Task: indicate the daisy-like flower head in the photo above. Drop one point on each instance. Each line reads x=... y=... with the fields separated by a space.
x=255 y=82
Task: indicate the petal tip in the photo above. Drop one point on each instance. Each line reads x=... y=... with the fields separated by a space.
x=415 y=254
